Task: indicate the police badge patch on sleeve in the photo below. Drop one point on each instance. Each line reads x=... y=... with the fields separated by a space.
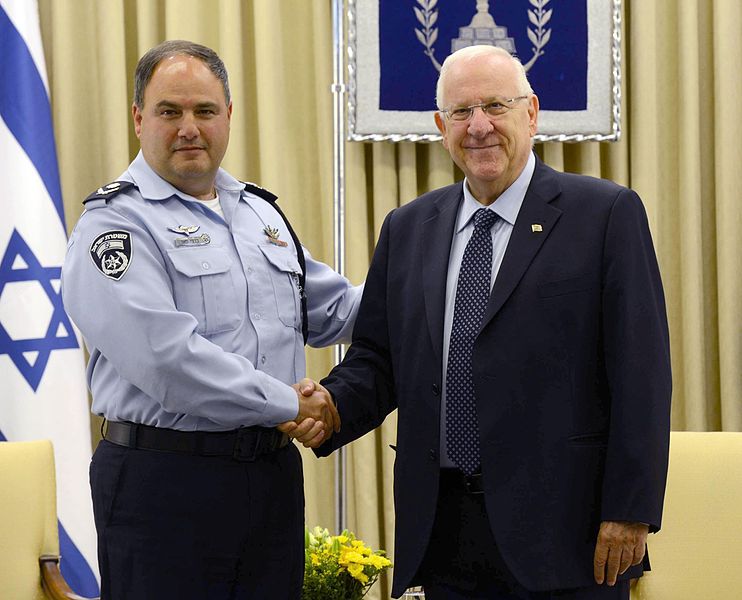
x=111 y=253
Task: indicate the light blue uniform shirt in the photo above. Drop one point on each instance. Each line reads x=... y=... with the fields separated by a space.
x=199 y=335
x=507 y=207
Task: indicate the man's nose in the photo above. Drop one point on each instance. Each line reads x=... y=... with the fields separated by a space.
x=479 y=124
x=188 y=128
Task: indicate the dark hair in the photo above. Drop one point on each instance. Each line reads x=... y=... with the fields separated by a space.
x=148 y=63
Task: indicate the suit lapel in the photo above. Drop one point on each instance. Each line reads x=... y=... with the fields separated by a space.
x=437 y=233
x=524 y=241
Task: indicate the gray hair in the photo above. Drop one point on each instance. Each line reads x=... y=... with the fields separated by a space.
x=148 y=63
x=481 y=50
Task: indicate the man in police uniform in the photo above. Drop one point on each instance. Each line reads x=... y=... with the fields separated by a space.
x=195 y=300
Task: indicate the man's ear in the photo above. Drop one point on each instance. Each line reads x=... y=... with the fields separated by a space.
x=440 y=123
x=136 y=114
x=533 y=115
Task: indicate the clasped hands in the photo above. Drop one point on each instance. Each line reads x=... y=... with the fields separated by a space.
x=318 y=417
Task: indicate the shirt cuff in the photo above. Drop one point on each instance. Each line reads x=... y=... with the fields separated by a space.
x=281 y=403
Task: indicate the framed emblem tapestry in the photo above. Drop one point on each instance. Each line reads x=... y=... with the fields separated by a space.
x=571 y=50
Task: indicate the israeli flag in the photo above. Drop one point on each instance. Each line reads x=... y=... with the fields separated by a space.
x=42 y=371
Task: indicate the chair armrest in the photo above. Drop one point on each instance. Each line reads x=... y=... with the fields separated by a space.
x=54 y=585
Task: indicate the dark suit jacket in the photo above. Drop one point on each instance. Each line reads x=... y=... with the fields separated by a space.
x=571 y=372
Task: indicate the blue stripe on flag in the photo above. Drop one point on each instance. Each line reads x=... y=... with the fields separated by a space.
x=26 y=110
x=24 y=106
x=75 y=568
x=2 y=437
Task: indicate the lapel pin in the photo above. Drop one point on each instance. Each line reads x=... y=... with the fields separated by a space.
x=272 y=234
x=536 y=228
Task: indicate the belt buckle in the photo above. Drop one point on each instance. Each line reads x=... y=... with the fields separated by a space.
x=244 y=452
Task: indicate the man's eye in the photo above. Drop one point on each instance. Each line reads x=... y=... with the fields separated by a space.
x=495 y=107
x=460 y=113
x=166 y=112
x=207 y=112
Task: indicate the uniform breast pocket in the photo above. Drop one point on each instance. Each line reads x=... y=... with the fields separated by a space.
x=284 y=273
x=204 y=287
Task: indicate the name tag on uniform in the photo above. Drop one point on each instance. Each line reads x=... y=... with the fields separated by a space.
x=200 y=240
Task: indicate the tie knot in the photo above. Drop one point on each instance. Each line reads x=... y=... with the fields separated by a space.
x=485 y=218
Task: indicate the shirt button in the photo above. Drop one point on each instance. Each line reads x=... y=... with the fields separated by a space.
x=436 y=389
x=249 y=270
x=263 y=359
x=205 y=265
x=256 y=316
x=433 y=454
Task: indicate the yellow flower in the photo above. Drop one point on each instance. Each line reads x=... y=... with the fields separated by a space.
x=356 y=572
x=379 y=562
x=350 y=556
x=361 y=547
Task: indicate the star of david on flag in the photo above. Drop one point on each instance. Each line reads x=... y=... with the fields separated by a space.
x=42 y=373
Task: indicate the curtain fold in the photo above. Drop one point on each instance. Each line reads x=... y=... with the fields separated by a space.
x=682 y=121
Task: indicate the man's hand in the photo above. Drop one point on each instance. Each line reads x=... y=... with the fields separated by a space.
x=620 y=545
x=318 y=417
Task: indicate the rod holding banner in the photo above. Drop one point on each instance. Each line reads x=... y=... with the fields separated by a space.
x=338 y=213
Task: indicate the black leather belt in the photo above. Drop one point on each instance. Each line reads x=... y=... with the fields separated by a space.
x=245 y=444
x=455 y=479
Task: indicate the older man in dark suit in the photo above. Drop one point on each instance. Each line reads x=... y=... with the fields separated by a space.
x=517 y=322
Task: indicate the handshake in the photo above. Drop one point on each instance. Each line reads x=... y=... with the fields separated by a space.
x=318 y=417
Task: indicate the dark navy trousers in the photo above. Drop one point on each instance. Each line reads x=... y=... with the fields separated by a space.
x=463 y=562
x=203 y=528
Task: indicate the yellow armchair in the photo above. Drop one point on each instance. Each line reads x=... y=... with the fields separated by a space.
x=29 y=538
x=696 y=555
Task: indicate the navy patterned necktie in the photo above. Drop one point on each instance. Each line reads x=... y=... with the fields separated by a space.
x=472 y=292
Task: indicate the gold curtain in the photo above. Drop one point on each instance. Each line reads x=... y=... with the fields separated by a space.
x=682 y=120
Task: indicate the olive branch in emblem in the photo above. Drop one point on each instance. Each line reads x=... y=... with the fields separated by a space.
x=539 y=38
x=427 y=16
x=539 y=17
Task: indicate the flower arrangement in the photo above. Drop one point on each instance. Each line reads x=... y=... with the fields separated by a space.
x=339 y=567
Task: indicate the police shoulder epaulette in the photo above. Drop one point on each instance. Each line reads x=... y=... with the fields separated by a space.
x=254 y=188
x=109 y=191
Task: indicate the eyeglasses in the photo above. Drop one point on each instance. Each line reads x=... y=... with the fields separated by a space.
x=493 y=108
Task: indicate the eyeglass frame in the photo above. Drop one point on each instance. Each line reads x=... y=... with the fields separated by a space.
x=507 y=104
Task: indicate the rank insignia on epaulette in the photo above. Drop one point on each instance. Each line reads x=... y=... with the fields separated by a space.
x=272 y=234
x=111 y=253
x=109 y=190
x=254 y=188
